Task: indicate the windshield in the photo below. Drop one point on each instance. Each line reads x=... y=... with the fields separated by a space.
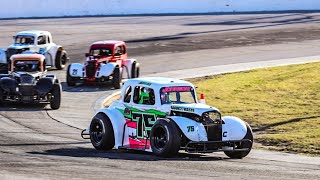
x=24 y=40
x=101 y=52
x=177 y=95
x=26 y=66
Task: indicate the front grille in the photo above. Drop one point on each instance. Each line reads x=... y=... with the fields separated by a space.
x=26 y=79
x=91 y=69
x=214 y=132
x=26 y=90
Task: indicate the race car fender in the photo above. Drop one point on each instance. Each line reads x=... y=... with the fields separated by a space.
x=118 y=121
x=128 y=65
x=52 y=50
x=76 y=70
x=106 y=70
x=233 y=128
x=3 y=56
x=8 y=84
x=191 y=129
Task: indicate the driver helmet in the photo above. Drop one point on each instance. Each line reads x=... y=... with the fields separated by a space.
x=144 y=95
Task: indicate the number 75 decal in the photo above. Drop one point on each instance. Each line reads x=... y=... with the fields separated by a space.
x=190 y=128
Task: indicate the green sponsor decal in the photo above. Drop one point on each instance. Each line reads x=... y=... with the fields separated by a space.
x=145 y=83
x=177 y=108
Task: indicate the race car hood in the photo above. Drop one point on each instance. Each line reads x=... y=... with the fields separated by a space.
x=20 y=46
x=33 y=74
x=196 y=108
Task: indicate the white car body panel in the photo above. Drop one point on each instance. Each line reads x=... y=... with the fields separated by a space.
x=105 y=70
x=199 y=133
x=3 y=56
x=233 y=129
x=128 y=65
x=76 y=70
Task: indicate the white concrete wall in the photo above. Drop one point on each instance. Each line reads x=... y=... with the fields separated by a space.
x=49 y=8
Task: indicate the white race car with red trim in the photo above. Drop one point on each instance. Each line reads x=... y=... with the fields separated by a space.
x=163 y=116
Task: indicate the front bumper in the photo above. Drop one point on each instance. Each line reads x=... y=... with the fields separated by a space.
x=214 y=146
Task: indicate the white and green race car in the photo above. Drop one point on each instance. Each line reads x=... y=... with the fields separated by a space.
x=163 y=116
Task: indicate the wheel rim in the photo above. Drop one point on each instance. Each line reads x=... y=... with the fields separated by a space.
x=97 y=132
x=63 y=60
x=160 y=137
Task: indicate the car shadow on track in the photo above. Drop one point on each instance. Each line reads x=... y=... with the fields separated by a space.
x=14 y=106
x=124 y=155
x=87 y=87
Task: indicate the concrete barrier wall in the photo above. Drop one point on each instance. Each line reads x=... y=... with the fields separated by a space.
x=50 y=8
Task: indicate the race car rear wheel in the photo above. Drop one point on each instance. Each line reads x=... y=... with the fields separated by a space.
x=56 y=96
x=135 y=70
x=117 y=78
x=165 y=138
x=70 y=79
x=61 y=60
x=241 y=154
x=101 y=132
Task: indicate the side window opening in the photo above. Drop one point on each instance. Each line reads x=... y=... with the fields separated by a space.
x=123 y=49
x=127 y=96
x=41 y=40
x=143 y=95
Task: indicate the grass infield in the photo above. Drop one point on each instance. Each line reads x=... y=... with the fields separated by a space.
x=282 y=104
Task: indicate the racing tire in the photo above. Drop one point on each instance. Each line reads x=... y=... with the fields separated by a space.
x=61 y=60
x=101 y=132
x=1 y=96
x=70 y=80
x=56 y=99
x=117 y=78
x=135 y=70
x=165 y=138
x=241 y=154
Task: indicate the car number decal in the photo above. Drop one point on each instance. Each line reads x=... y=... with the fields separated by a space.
x=144 y=123
x=74 y=71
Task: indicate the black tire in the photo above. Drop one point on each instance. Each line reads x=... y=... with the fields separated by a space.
x=117 y=78
x=241 y=154
x=1 y=96
x=135 y=70
x=56 y=99
x=165 y=138
x=70 y=80
x=101 y=132
x=61 y=59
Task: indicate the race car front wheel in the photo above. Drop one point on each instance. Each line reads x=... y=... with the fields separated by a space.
x=101 y=132
x=165 y=138
x=70 y=79
x=56 y=96
x=241 y=154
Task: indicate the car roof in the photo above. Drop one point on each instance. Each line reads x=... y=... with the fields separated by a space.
x=108 y=42
x=34 y=32
x=158 y=82
x=28 y=56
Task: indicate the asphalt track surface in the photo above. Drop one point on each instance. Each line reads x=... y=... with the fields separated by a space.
x=39 y=143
